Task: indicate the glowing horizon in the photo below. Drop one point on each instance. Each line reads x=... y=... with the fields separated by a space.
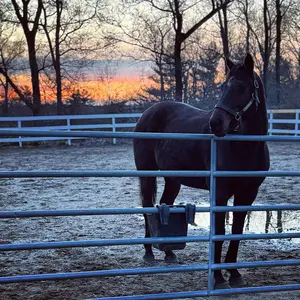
x=117 y=89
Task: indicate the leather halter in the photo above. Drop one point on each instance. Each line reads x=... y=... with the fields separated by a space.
x=238 y=114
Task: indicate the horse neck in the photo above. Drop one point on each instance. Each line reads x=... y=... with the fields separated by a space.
x=258 y=124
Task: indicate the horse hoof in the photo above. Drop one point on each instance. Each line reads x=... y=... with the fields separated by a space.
x=222 y=286
x=148 y=258
x=171 y=259
x=236 y=282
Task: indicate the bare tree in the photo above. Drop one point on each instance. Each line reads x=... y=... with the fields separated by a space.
x=245 y=8
x=292 y=41
x=161 y=57
x=264 y=36
x=223 y=22
x=278 y=44
x=175 y=11
x=28 y=14
x=66 y=28
x=268 y=44
x=106 y=76
x=282 y=8
x=11 y=51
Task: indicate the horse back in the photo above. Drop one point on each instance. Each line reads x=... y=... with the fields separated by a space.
x=173 y=117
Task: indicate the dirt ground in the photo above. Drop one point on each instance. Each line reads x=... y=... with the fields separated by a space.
x=88 y=193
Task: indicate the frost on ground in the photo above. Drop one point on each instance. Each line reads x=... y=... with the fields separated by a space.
x=90 y=193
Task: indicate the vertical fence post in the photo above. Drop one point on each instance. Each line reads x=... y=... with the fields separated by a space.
x=20 y=138
x=296 y=122
x=270 y=123
x=213 y=167
x=69 y=129
x=113 y=123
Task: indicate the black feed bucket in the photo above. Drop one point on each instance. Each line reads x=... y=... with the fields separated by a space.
x=166 y=224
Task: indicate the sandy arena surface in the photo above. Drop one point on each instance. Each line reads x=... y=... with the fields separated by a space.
x=90 y=193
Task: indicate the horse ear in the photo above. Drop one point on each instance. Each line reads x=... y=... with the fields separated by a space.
x=229 y=64
x=248 y=62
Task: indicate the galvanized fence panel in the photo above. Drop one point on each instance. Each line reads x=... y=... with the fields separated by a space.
x=211 y=266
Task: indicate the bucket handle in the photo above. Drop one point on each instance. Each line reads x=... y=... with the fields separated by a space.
x=164 y=213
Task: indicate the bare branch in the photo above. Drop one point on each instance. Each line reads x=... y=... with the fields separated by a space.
x=206 y=18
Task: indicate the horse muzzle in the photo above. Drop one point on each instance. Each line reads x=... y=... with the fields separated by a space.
x=219 y=122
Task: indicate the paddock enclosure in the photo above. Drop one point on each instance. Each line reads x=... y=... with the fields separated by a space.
x=85 y=193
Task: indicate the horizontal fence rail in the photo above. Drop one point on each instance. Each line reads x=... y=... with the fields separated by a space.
x=149 y=135
x=211 y=238
x=140 y=241
x=132 y=211
x=43 y=174
x=115 y=122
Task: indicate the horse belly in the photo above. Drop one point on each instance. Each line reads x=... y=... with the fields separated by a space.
x=195 y=182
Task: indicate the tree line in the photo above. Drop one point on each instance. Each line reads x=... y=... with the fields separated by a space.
x=185 y=41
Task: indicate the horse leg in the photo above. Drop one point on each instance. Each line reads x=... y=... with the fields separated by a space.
x=220 y=282
x=148 y=195
x=221 y=200
x=171 y=190
x=244 y=198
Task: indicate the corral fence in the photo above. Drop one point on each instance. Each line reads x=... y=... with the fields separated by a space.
x=213 y=173
x=110 y=122
x=281 y=121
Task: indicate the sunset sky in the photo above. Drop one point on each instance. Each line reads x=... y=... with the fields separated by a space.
x=104 y=81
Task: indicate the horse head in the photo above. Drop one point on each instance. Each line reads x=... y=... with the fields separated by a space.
x=239 y=100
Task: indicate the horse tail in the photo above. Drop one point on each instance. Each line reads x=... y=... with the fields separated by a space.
x=152 y=120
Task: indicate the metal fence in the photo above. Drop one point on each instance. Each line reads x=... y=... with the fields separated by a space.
x=211 y=266
x=115 y=122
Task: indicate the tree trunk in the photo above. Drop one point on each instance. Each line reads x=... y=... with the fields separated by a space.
x=57 y=58
x=178 y=71
x=22 y=13
x=224 y=30
x=185 y=87
x=194 y=85
x=162 y=83
x=298 y=73
x=5 y=102
x=278 y=54
x=266 y=48
x=36 y=94
x=247 y=27
x=177 y=52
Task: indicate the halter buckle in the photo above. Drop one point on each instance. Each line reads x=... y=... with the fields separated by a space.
x=237 y=128
x=255 y=98
x=238 y=116
x=256 y=85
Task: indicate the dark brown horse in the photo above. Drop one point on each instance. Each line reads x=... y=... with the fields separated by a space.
x=240 y=110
